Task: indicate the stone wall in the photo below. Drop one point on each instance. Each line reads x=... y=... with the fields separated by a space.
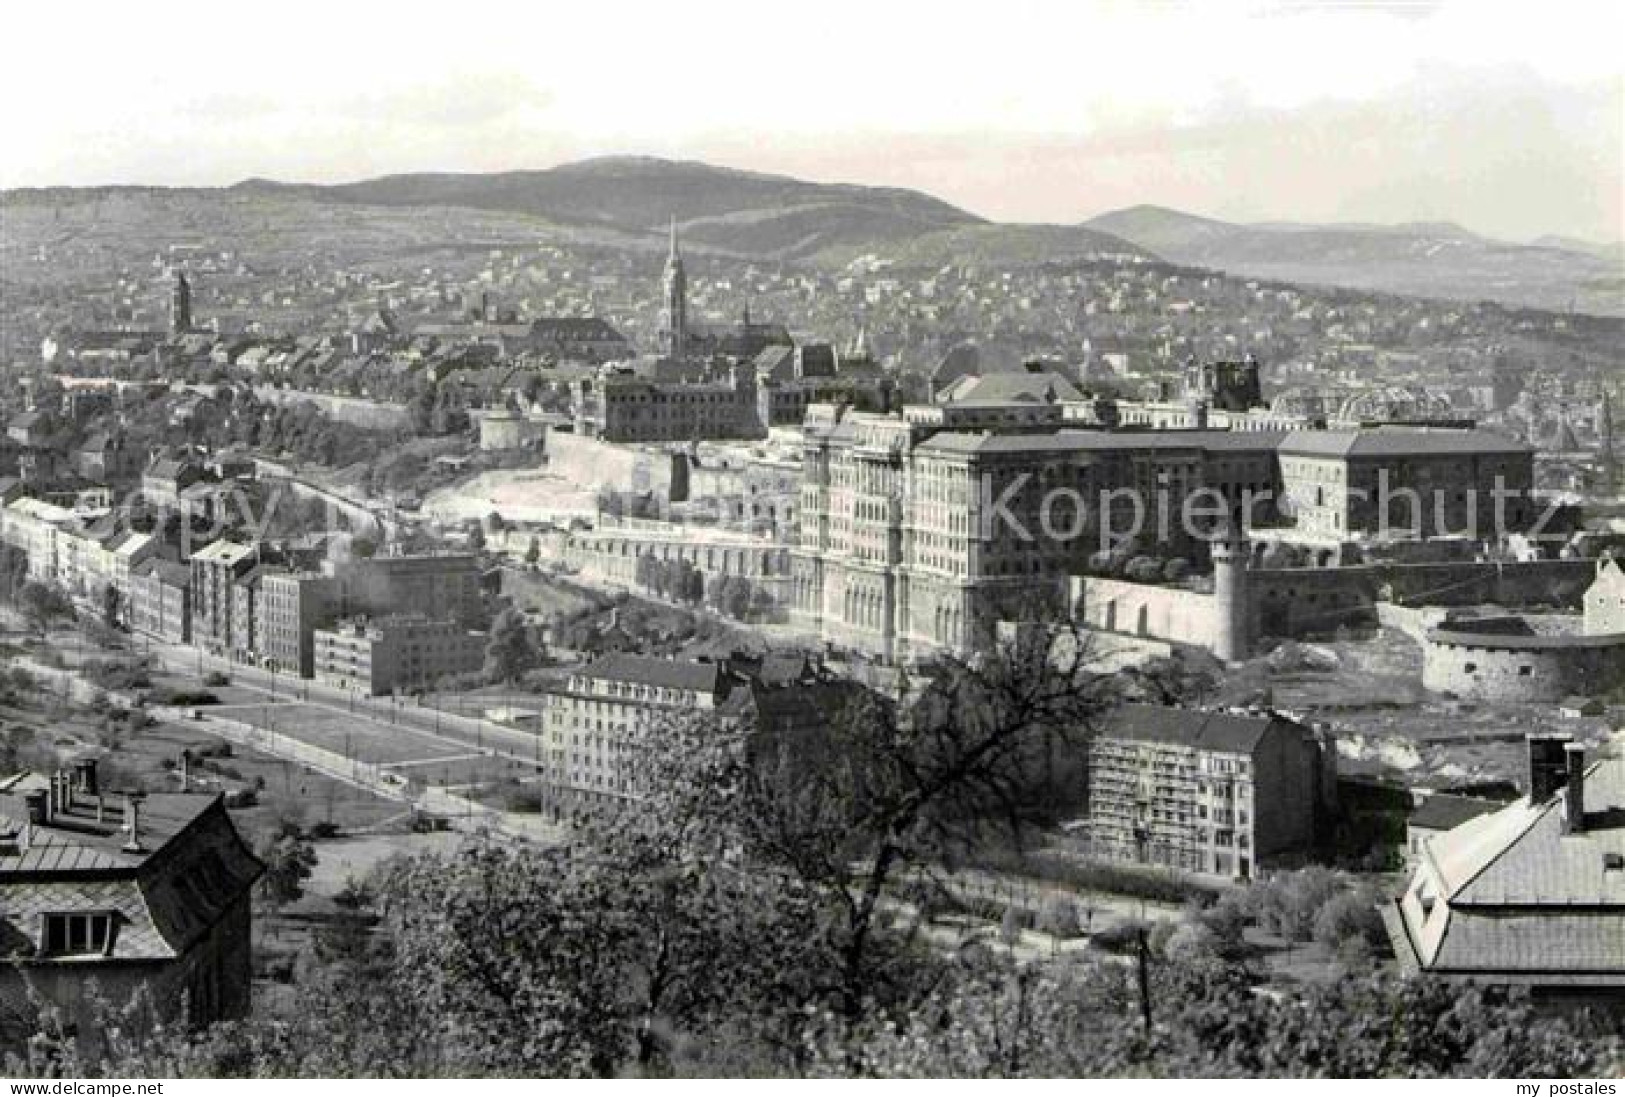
x=1145 y=609
x=372 y=414
x=1522 y=669
x=606 y=465
x=1309 y=601
x=1300 y=602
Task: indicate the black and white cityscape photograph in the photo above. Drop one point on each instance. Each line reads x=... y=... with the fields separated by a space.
x=620 y=540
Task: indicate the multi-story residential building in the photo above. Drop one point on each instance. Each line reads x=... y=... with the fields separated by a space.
x=129 y=551
x=166 y=478
x=592 y=725
x=1530 y=895
x=444 y=586
x=107 y=456
x=399 y=652
x=106 y=896
x=160 y=600
x=1215 y=793
x=39 y=529
x=292 y=606
x=215 y=570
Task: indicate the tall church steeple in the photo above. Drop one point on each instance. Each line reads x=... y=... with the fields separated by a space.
x=180 y=305
x=674 y=313
x=1605 y=444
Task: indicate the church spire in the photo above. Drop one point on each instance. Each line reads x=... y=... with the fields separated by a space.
x=674 y=312
x=180 y=305
x=1605 y=444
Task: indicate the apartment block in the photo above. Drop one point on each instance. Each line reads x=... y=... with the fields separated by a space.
x=1214 y=793
x=401 y=652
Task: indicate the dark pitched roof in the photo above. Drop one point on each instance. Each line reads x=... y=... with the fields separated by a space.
x=1445 y=811
x=192 y=869
x=1223 y=731
x=649 y=671
x=1104 y=441
x=1399 y=442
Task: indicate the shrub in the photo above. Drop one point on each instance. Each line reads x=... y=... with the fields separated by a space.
x=1058 y=917
x=1121 y=939
x=523 y=800
x=1189 y=942
x=1010 y=925
x=1144 y=569
x=1349 y=925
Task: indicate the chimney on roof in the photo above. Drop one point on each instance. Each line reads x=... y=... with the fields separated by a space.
x=1574 y=793
x=39 y=811
x=1547 y=769
x=85 y=769
x=132 y=812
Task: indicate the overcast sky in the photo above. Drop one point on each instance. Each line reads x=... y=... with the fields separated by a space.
x=1507 y=118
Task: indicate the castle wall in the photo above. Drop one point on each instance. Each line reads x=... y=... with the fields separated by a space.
x=595 y=464
x=1297 y=602
x=1306 y=601
x=370 y=414
x=1508 y=668
x=1147 y=610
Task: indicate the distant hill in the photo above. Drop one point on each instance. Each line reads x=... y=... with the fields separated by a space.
x=628 y=200
x=1424 y=258
x=748 y=213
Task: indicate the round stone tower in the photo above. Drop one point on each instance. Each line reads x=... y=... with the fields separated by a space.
x=1232 y=634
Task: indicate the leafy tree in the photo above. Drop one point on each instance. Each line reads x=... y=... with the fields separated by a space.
x=510 y=651
x=878 y=793
x=13 y=571
x=42 y=606
x=1058 y=917
x=289 y=858
x=1349 y=926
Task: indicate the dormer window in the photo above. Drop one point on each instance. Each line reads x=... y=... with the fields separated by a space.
x=89 y=934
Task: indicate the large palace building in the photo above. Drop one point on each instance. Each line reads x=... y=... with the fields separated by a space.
x=920 y=531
